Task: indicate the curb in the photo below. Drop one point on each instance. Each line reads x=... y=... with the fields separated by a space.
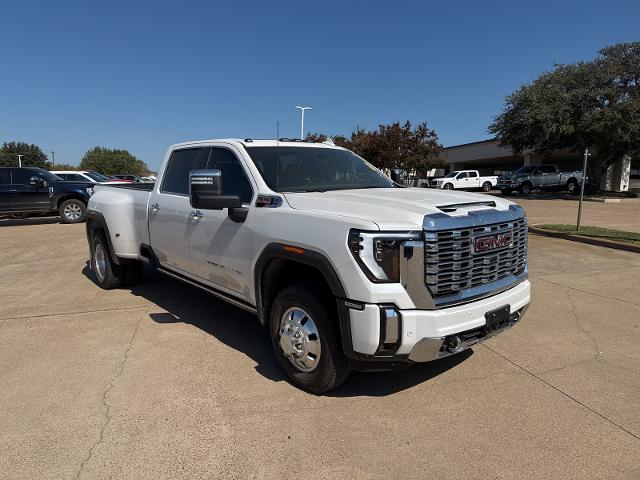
x=600 y=242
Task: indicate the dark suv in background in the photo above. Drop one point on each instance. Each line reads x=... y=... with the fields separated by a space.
x=29 y=190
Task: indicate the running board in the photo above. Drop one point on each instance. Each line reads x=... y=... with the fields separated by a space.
x=216 y=293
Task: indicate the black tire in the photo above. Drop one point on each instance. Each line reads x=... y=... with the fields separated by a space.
x=108 y=275
x=572 y=186
x=448 y=186
x=506 y=191
x=331 y=369
x=72 y=211
x=525 y=188
x=486 y=186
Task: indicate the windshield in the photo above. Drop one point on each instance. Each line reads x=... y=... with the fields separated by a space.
x=96 y=176
x=451 y=175
x=525 y=170
x=304 y=169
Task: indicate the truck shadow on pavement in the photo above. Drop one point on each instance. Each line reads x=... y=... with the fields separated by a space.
x=241 y=331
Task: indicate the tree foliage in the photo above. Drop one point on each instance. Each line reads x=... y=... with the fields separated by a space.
x=33 y=156
x=113 y=162
x=393 y=146
x=593 y=104
x=62 y=166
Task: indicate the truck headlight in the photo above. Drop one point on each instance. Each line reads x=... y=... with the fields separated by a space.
x=378 y=253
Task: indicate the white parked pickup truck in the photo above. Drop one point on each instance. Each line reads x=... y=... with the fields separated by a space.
x=466 y=180
x=345 y=268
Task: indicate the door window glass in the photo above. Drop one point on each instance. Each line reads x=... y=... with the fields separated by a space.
x=176 y=176
x=5 y=177
x=21 y=176
x=234 y=180
x=472 y=174
x=462 y=175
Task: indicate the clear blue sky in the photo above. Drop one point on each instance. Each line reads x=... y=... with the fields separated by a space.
x=144 y=75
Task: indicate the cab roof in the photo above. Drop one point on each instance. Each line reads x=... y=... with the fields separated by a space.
x=250 y=142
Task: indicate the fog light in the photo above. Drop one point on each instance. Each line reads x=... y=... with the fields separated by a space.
x=390 y=328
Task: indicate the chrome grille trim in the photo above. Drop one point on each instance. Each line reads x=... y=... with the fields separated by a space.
x=454 y=273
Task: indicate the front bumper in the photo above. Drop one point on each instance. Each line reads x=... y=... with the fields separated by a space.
x=425 y=335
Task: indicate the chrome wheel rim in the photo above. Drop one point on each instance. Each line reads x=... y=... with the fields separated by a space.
x=72 y=211
x=448 y=187
x=300 y=339
x=101 y=261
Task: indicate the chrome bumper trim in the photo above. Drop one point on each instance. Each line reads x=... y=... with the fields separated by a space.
x=429 y=349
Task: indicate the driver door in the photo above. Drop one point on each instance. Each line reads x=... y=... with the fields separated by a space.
x=220 y=247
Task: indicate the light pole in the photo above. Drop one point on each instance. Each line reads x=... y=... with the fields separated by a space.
x=20 y=160
x=584 y=176
x=302 y=109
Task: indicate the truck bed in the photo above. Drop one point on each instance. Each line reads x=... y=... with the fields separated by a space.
x=127 y=205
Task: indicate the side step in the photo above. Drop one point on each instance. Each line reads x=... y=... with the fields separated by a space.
x=217 y=293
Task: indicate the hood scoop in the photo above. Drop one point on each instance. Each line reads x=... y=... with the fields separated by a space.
x=453 y=207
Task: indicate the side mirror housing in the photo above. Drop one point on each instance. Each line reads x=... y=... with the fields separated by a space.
x=205 y=191
x=37 y=182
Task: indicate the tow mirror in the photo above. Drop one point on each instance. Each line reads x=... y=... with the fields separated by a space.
x=205 y=191
x=37 y=182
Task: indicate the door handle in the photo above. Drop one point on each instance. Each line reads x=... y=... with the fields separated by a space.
x=155 y=207
x=196 y=214
x=13 y=190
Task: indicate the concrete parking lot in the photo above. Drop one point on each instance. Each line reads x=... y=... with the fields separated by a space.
x=620 y=216
x=163 y=381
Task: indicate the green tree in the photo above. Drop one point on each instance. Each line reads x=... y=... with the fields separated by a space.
x=32 y=155
x=593 y=104
x=394 y=145
x=113 y=162
x=61 y=166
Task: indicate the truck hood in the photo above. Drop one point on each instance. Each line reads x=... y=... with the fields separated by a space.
x=391 y=208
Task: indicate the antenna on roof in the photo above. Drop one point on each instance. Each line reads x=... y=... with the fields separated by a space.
x=278 y=154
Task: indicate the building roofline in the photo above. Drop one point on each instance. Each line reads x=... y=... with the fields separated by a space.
x=472 y=143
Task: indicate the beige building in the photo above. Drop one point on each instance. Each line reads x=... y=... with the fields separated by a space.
x=491 y=159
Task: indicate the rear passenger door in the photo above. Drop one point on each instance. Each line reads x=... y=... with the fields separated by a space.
x=170 y=221
x=5 y=195
x=473 y=181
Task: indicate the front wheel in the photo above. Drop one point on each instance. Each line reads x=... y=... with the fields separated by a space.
x=572 y=186
x=525 y=189
x=305 y=339
x=448 y=186
x=72 y=211
x=486 y=186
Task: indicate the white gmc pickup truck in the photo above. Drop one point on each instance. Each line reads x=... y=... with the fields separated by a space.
x=345 y=268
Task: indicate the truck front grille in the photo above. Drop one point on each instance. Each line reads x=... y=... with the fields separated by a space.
x=452 y=266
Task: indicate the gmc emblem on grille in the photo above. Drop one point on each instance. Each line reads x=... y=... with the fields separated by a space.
x=492 y=242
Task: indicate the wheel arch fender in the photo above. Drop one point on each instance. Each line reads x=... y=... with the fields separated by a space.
x=95 y=221
x=289 y=253
x=70 y=196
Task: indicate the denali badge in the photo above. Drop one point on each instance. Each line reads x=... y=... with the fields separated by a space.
x=492 y=242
